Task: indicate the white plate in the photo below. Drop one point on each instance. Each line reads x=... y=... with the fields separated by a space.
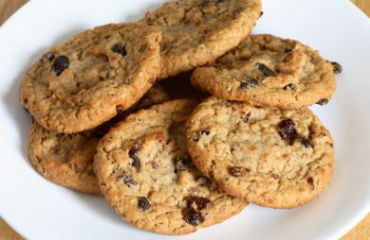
x=39 y=209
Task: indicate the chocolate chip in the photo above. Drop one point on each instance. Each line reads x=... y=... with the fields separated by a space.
x=135 y=159
x=203 y=4
x=337 y=68
x=252 y=83
x=310 y=181
x=119 y=48
x=305 y=142
x=261 y=14
x=143 y=204
x=197 y=202
x=246 y=117
x=322 y=102
x=238 y=171
x=60 y=64
x=201 y=133
x=267 y=72
x=290 y=86
x=287 y=131
x=50 y=56
x=193 y=217
x=220 y=1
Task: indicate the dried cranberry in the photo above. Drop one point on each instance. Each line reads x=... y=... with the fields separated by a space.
x=119 y=48
x=127 y=179
x=310 y=181
x=322 y=102
x=246 y=117
x=287 y=131
x=267 y=72
x=305 y=142
x=337 y=68
x=143 y=204
x=193 y=217
x=60 y=64
x=238 y=171
x=252 y=83
x=135 y=159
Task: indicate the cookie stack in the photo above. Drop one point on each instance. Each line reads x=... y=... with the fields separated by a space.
x=114 y=113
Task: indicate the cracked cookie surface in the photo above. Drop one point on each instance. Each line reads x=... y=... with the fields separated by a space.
x=265 y=70
x=196 y=32
x=147 y=176
x=272 y=157
x=67 y=159
x=79 y=84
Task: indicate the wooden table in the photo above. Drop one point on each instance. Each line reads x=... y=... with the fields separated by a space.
x=360 y=232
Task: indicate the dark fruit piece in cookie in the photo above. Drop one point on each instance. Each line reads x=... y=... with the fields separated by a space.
x=287 y=131
x=247 y=117
x=135 y=159
x=305 y=142
x=250 y=84
x=143 y=204
x=267 y=72
x=60 y=64
x=337 y=68
x=193 y=217
x=119 y=48
x=323 y=102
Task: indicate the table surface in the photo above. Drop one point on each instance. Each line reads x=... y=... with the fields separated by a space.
x=361 y=231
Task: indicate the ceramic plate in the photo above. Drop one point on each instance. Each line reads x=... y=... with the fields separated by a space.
x=38 y=209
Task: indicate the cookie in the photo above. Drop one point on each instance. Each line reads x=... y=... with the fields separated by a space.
x=147 y=176
x=272 y=157
x=265 y=70
x=79 y=84
x=67 y=159
x=196 y=32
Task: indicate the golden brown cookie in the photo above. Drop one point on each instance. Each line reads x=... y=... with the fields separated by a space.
x=272 y=157
x=79 y=84
x=266 y=70
x=147 y=176
x=65 y=159
x=196 y=32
